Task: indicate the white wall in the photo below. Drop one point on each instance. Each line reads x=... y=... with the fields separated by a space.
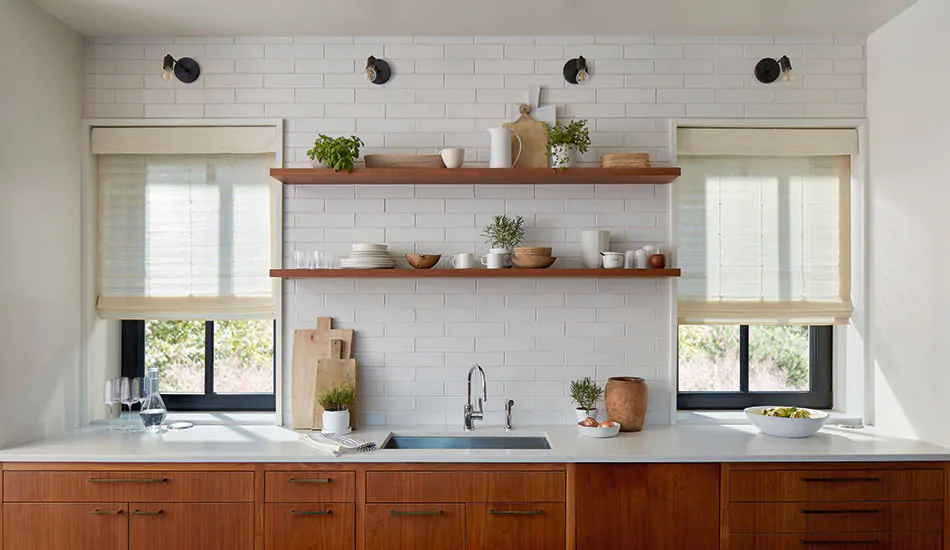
x=909 y=197
x=40 y=112
x=416 y=339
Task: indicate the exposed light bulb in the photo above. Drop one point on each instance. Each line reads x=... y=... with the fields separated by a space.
x=167 y=76
x=371 y=74
x=789 y=76
x=582 y=76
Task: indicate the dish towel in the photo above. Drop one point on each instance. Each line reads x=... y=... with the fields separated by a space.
x=331 y=445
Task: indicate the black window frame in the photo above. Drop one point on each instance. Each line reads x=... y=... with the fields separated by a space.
x=133 y=365
x=821 y=381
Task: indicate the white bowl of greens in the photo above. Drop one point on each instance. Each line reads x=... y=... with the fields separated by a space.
x=794 y=422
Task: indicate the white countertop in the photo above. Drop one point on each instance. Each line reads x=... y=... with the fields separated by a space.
x=732 y=443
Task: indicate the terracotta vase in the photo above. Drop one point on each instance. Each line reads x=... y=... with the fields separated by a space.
x=626 y=401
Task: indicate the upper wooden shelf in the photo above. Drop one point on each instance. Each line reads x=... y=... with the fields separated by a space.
x=481 y=176
x=468 y=273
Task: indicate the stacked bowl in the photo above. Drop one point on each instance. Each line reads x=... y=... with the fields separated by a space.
x=532 y=257
x=368 y=256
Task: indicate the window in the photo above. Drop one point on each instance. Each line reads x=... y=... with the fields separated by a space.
x=763 y=240
x=738 y=366
x=205 y=365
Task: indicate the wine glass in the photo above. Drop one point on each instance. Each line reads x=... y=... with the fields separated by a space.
x=138 y=396
x=109 y=400
x=117 y=401
x=125 y=394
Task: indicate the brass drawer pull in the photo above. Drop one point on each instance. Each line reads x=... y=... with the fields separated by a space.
x=98 y=512
x=867 y=542
x=114 y=480
x=309 y=480
x=310 y=512
x=855 y=511
x=840 y=479
x=516 y=512
x=148 y=513
x=421 y=513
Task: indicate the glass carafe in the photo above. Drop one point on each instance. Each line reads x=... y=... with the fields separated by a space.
x=153 y=408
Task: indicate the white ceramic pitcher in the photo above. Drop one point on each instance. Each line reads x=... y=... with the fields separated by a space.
x=501 y=148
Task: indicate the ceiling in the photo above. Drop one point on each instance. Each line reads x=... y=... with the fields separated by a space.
x=473 y=17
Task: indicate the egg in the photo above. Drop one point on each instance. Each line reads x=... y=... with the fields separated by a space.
x=607 y=424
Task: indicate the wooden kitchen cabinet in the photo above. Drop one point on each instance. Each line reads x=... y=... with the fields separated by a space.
x=206 y=526
x=309 y=526
x=647 y=506
x=515 y=526
x=415 y=526
x=84 y=526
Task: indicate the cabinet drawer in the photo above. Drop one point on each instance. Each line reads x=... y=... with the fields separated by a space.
x=412 y=487
x=835 y=485
x=415 y=526
x=309 y=486
x=154 y=526
x=93 y=526
x=915 y=541
x=837 y=517
x=513 y=486
x=128 y=486
x=515 y=526
x=309 y=526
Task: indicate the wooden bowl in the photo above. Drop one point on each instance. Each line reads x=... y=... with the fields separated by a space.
x=423 y=261
x=533 y=262
x=533 y=251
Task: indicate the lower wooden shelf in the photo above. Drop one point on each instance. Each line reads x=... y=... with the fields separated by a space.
x=470 y=273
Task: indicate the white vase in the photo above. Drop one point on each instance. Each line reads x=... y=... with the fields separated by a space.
x=562 y=156
x=582 y=414
x=314 y=163
x=505 y=251
x=594 y=242
x=337 y=422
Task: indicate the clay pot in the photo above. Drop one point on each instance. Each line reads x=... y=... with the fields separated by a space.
x=626 y=401
x=658 y=261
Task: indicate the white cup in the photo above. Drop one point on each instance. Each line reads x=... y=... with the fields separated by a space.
x=629 y=259
x=612 y=260
x=464 y=260
x=494 y=260
x=452 y=157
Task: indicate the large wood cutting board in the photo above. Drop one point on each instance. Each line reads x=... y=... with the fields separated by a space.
x=310 y=346
x=332 y=372
x=534 y=140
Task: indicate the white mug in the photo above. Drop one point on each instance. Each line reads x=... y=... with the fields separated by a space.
x=494 y=260
x=464 y=260
x=452 y=157
x=612 y=260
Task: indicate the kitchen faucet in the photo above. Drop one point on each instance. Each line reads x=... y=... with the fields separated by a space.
x=471 y=414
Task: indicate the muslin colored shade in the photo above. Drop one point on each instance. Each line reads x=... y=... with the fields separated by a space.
x=765 y=238
x=185 y=236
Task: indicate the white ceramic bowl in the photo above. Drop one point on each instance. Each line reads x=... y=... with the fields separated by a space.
x=787 y=427
x=598 y=432
x=370 y=247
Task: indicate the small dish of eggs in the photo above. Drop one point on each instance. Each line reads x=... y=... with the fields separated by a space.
x=600 y=430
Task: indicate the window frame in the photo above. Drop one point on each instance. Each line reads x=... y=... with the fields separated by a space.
x=821 y=380
x=133 y=365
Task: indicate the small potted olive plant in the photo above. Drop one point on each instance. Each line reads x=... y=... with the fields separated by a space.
x=586 y=393
x=504 y=234
x=564 y=139
x=337 y=153
x=336 y=403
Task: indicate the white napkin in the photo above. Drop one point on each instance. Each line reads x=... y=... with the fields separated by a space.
x=322 y=444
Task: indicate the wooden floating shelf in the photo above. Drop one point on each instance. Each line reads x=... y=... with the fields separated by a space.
x=481 y=176
x=470 y=273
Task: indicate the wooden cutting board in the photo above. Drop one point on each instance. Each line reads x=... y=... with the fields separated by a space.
x=309 y=347
x=332 y=372
x=534 y=140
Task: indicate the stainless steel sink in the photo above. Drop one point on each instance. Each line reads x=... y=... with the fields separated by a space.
x=462 y=443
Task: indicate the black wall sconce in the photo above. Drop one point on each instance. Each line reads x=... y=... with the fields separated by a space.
x=377 y=71
x=768 y=70
x=185 y=69
x=575 y=71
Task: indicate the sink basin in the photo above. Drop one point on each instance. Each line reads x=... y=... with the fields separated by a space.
x=462 y=443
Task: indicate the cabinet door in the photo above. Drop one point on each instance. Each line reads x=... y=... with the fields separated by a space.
x=309 y=526
x=74 y=526
x=640 y=506
x=415 y=526
x=191 y=526
x=515 y=526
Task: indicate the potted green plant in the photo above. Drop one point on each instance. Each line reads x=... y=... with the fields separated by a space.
x=586 y=393
x=337 y=153
x=503 y=234
x=564 y=139
x=336 y=403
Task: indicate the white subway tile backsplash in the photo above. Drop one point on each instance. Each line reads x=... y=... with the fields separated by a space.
x=417 y=337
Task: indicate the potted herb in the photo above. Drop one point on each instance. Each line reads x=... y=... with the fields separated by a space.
x=337 y=153
x=336 y=403
x=586 y=393
x=503 y=234
x=564 y=139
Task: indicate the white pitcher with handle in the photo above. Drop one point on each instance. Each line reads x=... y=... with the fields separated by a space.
x=501 y=148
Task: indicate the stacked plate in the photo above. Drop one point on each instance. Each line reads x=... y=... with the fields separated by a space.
x=368 y=256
